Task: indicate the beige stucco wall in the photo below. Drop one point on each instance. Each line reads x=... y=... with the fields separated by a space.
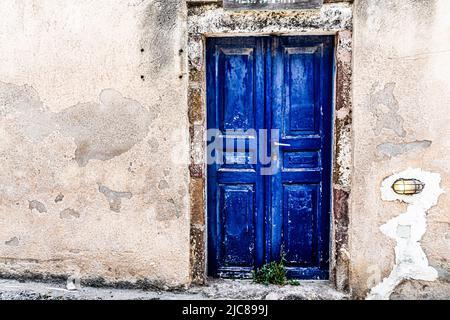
x=401 y=119
x=94 y=140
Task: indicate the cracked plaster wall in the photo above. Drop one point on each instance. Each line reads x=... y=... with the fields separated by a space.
x=400 y=120
x=90 y=94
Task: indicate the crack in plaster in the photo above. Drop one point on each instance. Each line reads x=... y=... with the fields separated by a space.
x=407 y=230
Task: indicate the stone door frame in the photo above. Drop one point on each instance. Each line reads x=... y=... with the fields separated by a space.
x=208 y=19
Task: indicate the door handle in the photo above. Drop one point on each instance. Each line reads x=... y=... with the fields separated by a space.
x=281 y=144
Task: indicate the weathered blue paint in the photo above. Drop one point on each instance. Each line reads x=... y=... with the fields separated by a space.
x=280 y=83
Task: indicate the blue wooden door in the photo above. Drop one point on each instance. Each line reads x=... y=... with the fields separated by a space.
x=272 y=83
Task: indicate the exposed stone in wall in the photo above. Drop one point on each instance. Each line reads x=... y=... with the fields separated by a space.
x=343 y=111
x=342 y=168
x=341 y=259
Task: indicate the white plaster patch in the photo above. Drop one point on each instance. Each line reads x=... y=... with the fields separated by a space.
x=407 y=230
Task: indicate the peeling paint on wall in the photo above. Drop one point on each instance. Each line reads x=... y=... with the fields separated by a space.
x=101 y=131
x=37 y=205
x=114 y=197
x=69 y=214
x=396 y=149
x=407 y=230
x=104 y=130
x=13 y=242
x=385 y=107
x=59 y=198
x=24 y=104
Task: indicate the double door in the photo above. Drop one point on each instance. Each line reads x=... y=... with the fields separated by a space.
x=269 y=96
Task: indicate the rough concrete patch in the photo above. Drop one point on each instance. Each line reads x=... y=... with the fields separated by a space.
x=107 y=129
x=114 y=197
x=407 y=230
x=13 y=242
x=36 y=205
x=69 y=214
x=395 y=149
x=385 y=107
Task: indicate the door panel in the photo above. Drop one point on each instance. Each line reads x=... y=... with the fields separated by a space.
x=238 y=227
x=299 y=223
x=300 y=107
x=235 y=95
x=282 y=83
x=238 y=74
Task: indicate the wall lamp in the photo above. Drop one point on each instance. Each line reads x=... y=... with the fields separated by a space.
x=408 y=187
